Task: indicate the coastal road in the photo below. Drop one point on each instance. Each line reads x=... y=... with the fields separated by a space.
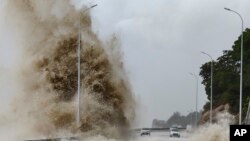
x=161 y=136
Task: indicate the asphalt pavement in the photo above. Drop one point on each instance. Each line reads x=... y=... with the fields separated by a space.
x=161 y=136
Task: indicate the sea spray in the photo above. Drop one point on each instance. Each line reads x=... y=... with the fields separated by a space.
x=46 y=106
x=215 y=132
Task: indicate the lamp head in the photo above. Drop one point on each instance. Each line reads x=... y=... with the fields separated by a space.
x=227 y=9
x=93 y=6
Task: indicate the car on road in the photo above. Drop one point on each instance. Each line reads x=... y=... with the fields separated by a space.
x=174 y=132
x=145 y=132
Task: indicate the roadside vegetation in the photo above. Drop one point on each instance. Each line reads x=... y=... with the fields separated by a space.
x=226 y=77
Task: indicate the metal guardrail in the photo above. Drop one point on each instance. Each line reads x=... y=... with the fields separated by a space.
x=155 y=129
x=57 y=139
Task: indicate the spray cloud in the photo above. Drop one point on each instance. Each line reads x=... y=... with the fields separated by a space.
x=47 y=35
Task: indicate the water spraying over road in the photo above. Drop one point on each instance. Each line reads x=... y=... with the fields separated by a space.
x=215 y=132
x=47 y=31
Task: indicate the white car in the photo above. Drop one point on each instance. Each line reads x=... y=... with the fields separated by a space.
x=145 y=132
x=174 y=132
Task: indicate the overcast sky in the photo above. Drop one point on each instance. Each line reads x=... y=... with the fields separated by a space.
x=161 y=40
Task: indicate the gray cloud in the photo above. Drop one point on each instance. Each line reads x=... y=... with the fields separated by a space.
x=162 y=41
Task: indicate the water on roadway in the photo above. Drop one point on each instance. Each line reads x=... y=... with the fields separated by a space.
x=161 y=136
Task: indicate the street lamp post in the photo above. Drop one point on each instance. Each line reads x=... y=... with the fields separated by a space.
x=241 y=62
x=191 y=120
x=211 y=87
x=191 y=116
x=79 y=66
x=196 y=101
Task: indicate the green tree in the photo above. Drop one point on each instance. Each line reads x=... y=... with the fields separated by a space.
x=226 y=79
